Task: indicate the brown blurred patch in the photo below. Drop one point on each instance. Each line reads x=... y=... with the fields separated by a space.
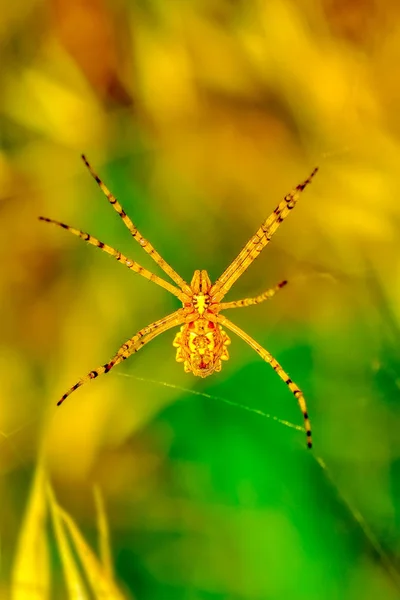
x=30 y=267
x=88 y=32
x=358 y=21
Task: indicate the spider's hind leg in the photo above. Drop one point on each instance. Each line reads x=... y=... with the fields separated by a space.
x=265 y=355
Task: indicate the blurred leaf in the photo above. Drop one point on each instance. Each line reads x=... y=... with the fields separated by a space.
x=93 y=45
x=73 y=579
x=31 y=572
x=104 y=534
x=102 y=585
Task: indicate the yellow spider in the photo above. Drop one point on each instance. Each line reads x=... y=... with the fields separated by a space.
x=201 y=342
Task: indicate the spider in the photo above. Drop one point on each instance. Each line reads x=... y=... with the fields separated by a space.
x=201 y=343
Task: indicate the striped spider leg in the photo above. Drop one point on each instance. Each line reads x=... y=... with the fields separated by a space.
x=131 y=264
x=250 y=301
x=148 y=333
x=147 y=247
x=265 y=355
x=133 y=345
x=257 y=243
x=201 y=342
x=241 y=263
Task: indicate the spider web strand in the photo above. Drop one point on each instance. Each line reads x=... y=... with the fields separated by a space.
x=218 y=398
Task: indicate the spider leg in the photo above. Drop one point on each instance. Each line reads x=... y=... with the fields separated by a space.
x=131 y=264
x=257 y=243
x=136 y=233
x=250 y=301
x=134 y=344
x=265 y=355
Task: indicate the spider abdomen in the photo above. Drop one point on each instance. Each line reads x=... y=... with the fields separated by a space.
x=201 y=346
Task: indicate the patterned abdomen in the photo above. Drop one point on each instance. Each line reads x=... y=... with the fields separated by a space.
x=201 y=346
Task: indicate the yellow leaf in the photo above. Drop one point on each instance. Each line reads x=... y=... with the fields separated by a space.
x=104 y=536
x=73 y=580
x=31 y=572
x=103 y=586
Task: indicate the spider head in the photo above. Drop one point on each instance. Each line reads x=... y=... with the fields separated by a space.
x=200 y=285
x=201 y=346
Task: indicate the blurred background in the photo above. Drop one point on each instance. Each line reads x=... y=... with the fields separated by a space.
x=200 y=116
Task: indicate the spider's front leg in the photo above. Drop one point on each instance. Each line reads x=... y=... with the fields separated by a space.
x=257 y=242
x=145 y=244
x=134 y=344
x=265 y=355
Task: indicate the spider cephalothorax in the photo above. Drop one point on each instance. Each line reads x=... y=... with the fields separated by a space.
x=200 y=301
x=201 y=342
